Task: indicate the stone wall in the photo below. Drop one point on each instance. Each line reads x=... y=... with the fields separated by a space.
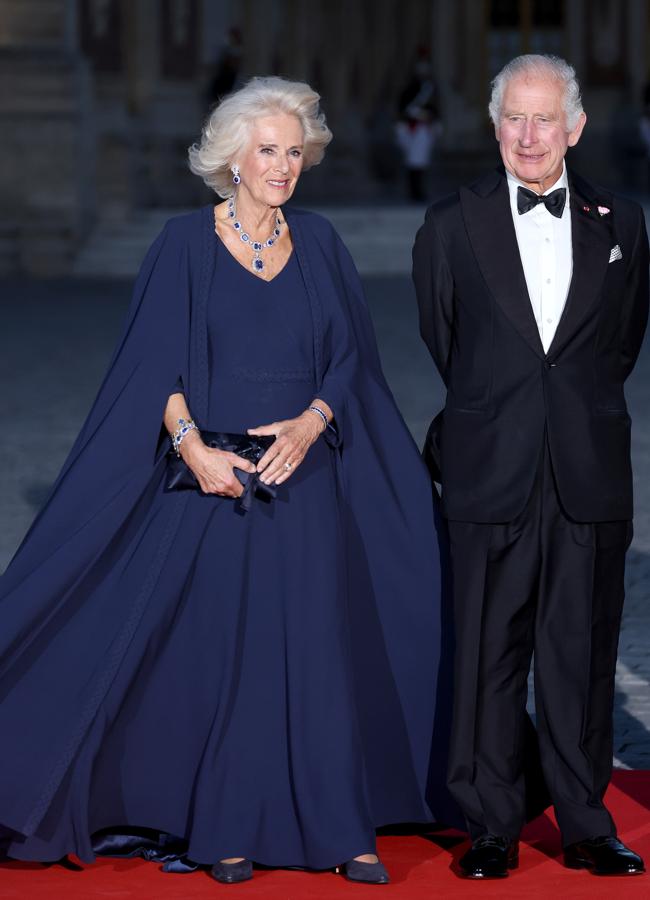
x=99 y=99
x=47 y=150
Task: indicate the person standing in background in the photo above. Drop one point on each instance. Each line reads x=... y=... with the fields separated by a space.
x=418 y=127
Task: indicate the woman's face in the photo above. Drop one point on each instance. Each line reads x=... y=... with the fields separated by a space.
x=271 y=163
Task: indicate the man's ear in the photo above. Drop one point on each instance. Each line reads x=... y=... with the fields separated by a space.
x=574 y=136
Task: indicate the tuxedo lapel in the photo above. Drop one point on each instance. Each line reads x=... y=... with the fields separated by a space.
x=591 y=237
x=488 y=220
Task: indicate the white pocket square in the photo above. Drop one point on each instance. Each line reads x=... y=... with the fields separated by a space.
x=615 y=253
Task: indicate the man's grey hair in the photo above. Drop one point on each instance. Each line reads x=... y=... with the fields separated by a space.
x=539 y=65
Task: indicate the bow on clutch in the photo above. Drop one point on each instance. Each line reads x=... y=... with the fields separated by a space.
x=252 y=448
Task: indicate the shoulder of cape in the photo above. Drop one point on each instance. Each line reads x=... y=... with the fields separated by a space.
x=185 y=226
x=181 y=237
x=309 y=222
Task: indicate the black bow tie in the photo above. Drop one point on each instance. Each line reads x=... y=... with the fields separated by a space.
x=554 y=202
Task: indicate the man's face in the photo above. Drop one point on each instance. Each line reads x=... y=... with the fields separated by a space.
x=532 y=132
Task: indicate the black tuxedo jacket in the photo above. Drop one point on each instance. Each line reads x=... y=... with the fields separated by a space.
x=503 y=390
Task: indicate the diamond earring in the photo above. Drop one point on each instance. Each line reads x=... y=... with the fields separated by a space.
x=235 y=175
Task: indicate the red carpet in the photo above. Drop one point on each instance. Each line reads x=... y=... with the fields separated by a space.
x=420 y=868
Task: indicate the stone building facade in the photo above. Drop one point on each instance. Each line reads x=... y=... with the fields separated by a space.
x=99 y=99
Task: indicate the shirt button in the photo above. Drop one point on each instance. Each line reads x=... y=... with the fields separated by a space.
x=550 y=321
x=548 y=281
x=548 y=240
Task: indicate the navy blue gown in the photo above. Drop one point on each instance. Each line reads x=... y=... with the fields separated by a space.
x=250 y=696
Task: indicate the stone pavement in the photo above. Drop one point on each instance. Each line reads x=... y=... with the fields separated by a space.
x=55 y=339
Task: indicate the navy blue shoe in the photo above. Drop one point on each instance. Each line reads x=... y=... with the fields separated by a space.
x=180 y=866
x=368 y=873
x=66 y=863
x=232 y=873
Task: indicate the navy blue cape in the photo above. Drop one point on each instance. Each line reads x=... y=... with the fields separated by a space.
x=59 y=656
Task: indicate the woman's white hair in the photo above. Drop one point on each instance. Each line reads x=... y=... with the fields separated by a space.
x=540 y=66
x=227 y=129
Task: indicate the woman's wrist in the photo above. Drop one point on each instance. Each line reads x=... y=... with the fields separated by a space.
x=191 y=445
x=323 y=409
x=316 y=416
x=313 y=423
x=184 y=428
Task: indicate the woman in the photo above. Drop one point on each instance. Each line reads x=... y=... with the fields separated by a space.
x=256 y=680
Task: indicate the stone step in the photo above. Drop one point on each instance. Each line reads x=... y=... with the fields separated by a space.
x=29 y=22
x=379 y=239
x=44 y=83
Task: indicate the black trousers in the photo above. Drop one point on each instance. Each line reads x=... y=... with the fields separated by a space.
x=544 y=584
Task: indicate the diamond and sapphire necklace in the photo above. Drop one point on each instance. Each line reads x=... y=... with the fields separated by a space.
x=257 y=246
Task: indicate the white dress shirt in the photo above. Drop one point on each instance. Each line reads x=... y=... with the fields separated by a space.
x=546 y=255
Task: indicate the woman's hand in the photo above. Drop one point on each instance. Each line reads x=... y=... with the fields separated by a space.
x=293 y=438
x=213 y=469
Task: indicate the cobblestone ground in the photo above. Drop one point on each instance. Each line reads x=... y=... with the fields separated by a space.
x=55 y=339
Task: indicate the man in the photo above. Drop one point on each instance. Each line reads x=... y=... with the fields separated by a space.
x=532 y=287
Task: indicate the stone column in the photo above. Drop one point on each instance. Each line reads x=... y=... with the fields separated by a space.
x=460 y=69
x=258 y=40
x=46 y=196
x=179 y=105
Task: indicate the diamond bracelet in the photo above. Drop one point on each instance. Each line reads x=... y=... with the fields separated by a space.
x=317 y=409
x=184 y=426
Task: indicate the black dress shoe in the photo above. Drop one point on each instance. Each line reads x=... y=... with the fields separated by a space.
x=368 y=873
x=490 y=856
x=232 y=873
x=603 y=856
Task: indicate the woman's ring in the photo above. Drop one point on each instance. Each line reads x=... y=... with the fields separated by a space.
x=288 y=466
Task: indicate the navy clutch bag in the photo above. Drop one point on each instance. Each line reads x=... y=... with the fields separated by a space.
x=180 y=478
